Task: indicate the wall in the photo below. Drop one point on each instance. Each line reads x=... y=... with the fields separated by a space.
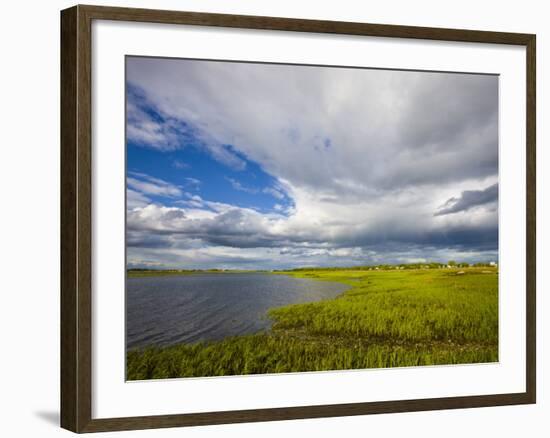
x=29 y=184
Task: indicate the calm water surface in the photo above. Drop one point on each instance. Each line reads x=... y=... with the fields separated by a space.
x=203 y=307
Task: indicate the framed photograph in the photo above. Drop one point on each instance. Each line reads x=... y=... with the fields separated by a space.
x=270 y=218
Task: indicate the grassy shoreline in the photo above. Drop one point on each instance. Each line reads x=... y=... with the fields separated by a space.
x=385 y=319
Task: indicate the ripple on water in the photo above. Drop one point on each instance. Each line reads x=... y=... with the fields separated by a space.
x=204 y=307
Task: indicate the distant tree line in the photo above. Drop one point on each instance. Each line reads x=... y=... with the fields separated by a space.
x=386 y=267
x=144 y=270
x=383 y=267
x=172 y=270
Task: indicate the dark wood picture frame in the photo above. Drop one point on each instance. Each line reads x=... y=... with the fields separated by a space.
x=76 y=218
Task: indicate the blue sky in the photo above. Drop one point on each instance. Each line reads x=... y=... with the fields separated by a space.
x=236 y=165
x=195 y=172
x=189 y=166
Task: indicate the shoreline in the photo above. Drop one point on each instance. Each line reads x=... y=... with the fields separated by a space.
x=384 y=319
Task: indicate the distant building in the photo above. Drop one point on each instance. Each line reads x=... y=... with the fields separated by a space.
x=493 y=264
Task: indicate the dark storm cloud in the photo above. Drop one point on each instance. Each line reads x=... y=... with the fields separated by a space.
x=469 y=199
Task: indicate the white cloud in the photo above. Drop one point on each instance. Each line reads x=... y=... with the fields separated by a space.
x=240 y=187
x=178 y=164
x=193 y=181
x=136 y=200
x=274 y=192
x=365 y=156
x=386 y=129
x=149 y=185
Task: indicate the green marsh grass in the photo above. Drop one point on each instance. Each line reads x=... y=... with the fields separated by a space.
x=387 y=318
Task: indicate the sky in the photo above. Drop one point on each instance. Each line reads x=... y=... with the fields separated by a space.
x=270 y=166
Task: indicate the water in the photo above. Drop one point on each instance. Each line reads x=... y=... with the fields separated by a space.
x=203 y=307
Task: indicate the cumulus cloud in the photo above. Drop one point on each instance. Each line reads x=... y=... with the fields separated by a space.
x=364 y=158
